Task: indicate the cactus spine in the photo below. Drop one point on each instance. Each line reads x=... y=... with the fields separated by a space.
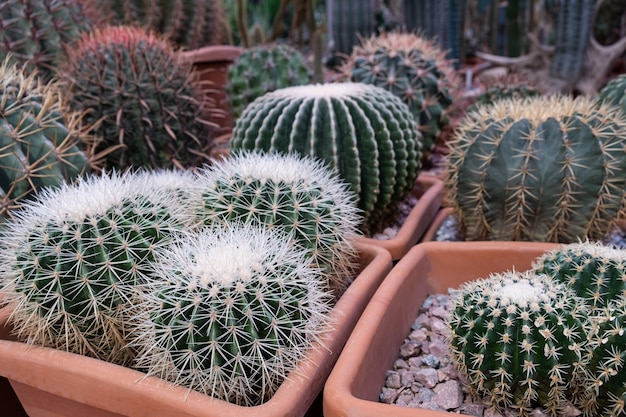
x=362 y=131
x=543 y=169
x=518 y=338
x=230 y=313
x=145 y=98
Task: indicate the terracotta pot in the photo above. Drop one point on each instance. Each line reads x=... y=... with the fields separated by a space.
x=11 y=406
x=356 y=381
x=430 y=193
x=431 y=233
x=55 y=383
x=211 y=63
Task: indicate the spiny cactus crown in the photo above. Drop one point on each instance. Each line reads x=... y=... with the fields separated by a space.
x=230 y=312
x=614 y=93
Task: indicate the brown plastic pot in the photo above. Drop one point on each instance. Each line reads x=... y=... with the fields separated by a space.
x=429 y=190
x=356 y=381
x=50 y=382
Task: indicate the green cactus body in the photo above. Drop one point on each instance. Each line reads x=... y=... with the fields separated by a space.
x=542 y=169
x=614 y=92
x=299 y=195
x=509 y=87
x=363 y=132
x=71 y=260
x=143 y=97
x=518 y=338
x=412 y=68
x=230 y=313
x=36 y=32
x=263 y=69
x=595 y=272
x=41 y=145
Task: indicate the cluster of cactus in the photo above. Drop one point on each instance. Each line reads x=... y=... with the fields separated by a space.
x=614 y=93
x=188 y=24
x=263 y=69
x=413 y=68
x=41 y=145
x=362 y=131
x=230 y=312
x=36 y=33
x=146 y=103
x=299 y=195
x=512 y=86
x=543 y=169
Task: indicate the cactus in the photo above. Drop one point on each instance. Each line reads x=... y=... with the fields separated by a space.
x=41 y=145
x=230 y=312
x=513 y=86
x=542 y=169
x=35 y=32
x=346 y=21
x=518 y=338
x=362 y=131
x=614 y=92
x=595 y=272
x=143 y=97
x=300 y=195
x=263 y=69
x=414 y=69
x=72 y=258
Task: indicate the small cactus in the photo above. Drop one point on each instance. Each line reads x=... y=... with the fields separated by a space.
x=263 y=69
x=518 y=338
x=513 y=86
x=299 y=195
x=614 y=93
x=595 y=272
x=230 y=312
x=542 y=169
x=72 y=258
x=142 y=95
x=363 y=132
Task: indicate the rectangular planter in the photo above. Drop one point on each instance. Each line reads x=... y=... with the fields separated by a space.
x=51 y=383
x=356 y=381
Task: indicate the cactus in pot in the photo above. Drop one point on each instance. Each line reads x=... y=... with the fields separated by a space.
x=513 y=86
x=230 y=312
x=543 y=169
x=364 y=132
x=518 y=339
x=148 y=104
x=614 y=92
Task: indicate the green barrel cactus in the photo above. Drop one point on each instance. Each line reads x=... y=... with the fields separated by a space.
x=541 y=169
x=262 y=69
x=297 y=194
x=230 y=312
x=614 y=92
x=513 y=86
x=41 y=144
x=413 y=68
x=595 y=272
x=147 y=104
x=72 y=258
x=36 y=33
x=362 y=131
x=519 y=339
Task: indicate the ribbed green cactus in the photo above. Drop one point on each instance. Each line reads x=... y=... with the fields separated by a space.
x=299 y=195
x=518 y=338
x=71 y=259
x=36 y=32
x=346 y=21
x=513 y=86
x=263 y=69
x=230 y=312
x=41 y=145
x=143 y=97
x=595 y=272
x=543 y=169
x=364 y=132
x=413 y=68
x=614 y=92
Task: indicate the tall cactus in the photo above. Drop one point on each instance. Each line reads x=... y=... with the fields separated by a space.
x=364 y=132
x=544 y=169
x=346 y=21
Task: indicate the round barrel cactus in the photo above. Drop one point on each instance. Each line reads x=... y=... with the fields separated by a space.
x=518 y=339
x=513 y=86
x=42 y=144
x=147 y=104
x=614 y=92
x=362 y=131
x=297 y=194
x=72 y=258
x=595 y=272
x=263 y=69
x=413 y=68
x=542 y=169
x=230 y=312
